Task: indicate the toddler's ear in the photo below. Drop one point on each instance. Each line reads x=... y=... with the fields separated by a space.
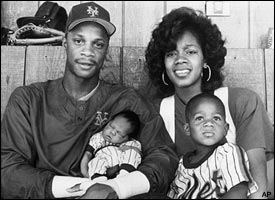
x=186 y=129
x=226 y=128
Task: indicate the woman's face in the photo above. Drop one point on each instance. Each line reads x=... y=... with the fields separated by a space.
x=184 y=64
x=86 y=47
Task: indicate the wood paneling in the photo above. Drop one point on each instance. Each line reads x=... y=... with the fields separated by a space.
x=134 y=74
x=246 y=27
x=115 y=9
x=140 y=20
x=261 y=18
x=245 y=68
x=269 y=65
x=12 y=72
x=44 y=62
x=249 y=68
x=235 y=28
x=200 y=5
x=12 y=10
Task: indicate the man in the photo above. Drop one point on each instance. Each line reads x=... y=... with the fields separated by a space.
x=46 y=126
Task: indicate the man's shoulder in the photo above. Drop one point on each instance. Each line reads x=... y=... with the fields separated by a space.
x=34 y=88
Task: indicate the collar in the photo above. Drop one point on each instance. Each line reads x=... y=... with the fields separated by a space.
x=86 y=97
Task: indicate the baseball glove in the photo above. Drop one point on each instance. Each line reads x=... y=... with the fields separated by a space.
x=31 y=34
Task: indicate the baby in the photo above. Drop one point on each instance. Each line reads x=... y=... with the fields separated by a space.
x=113 y=151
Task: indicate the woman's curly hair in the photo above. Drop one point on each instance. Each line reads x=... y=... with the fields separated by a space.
x=164 y=38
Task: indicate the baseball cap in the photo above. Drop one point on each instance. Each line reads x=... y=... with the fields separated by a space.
x=92 y=12
x=49 y=14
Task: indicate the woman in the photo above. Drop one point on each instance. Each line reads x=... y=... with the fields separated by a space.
x=184 y=57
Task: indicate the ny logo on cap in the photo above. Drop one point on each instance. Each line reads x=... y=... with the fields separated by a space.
x=92 y=11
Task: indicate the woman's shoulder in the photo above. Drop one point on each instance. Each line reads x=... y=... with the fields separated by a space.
x=244 y=100
x=241 y=92
x=242 y=95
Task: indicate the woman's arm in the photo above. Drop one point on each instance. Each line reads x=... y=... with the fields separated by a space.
x=238 y=191
x=257 y=163
x=270 y=177
x=255 y=134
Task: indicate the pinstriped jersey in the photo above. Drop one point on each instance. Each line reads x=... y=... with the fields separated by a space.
x=219 y=171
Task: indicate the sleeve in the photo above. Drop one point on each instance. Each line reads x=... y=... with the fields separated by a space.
x=234 y=165
x=19 y=176
x=131 y=155
x=95 y=142
x=159 y=160
x=253 y=126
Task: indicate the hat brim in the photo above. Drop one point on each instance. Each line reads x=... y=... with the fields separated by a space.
x=109 y=27
x=26 y=20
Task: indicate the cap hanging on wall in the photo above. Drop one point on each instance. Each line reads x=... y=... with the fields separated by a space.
x=49 y=14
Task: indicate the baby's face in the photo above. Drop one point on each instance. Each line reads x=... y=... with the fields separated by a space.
x=116 y=131
x=207 y=124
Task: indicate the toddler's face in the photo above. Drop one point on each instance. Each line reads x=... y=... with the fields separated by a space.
x=207 y=124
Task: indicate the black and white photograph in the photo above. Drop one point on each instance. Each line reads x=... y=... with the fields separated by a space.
x=137 y=99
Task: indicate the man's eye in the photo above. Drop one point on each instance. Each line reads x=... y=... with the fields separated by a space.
x=100 y=45
x=78 y=41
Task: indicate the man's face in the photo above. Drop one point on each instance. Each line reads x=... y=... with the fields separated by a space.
x=86 y=47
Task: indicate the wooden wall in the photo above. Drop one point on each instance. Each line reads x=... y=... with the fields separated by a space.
x=248 y=64
x=20 y=65
x=246 y=27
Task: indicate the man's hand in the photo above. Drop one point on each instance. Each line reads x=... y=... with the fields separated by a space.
x=100 y=191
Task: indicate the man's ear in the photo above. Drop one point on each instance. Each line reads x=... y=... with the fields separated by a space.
x=64 y=42
x=186 y=129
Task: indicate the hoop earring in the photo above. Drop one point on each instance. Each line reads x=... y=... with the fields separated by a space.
x=209 y=72
x=163 y=80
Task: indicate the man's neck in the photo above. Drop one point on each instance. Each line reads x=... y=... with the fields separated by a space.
x=79 y=87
